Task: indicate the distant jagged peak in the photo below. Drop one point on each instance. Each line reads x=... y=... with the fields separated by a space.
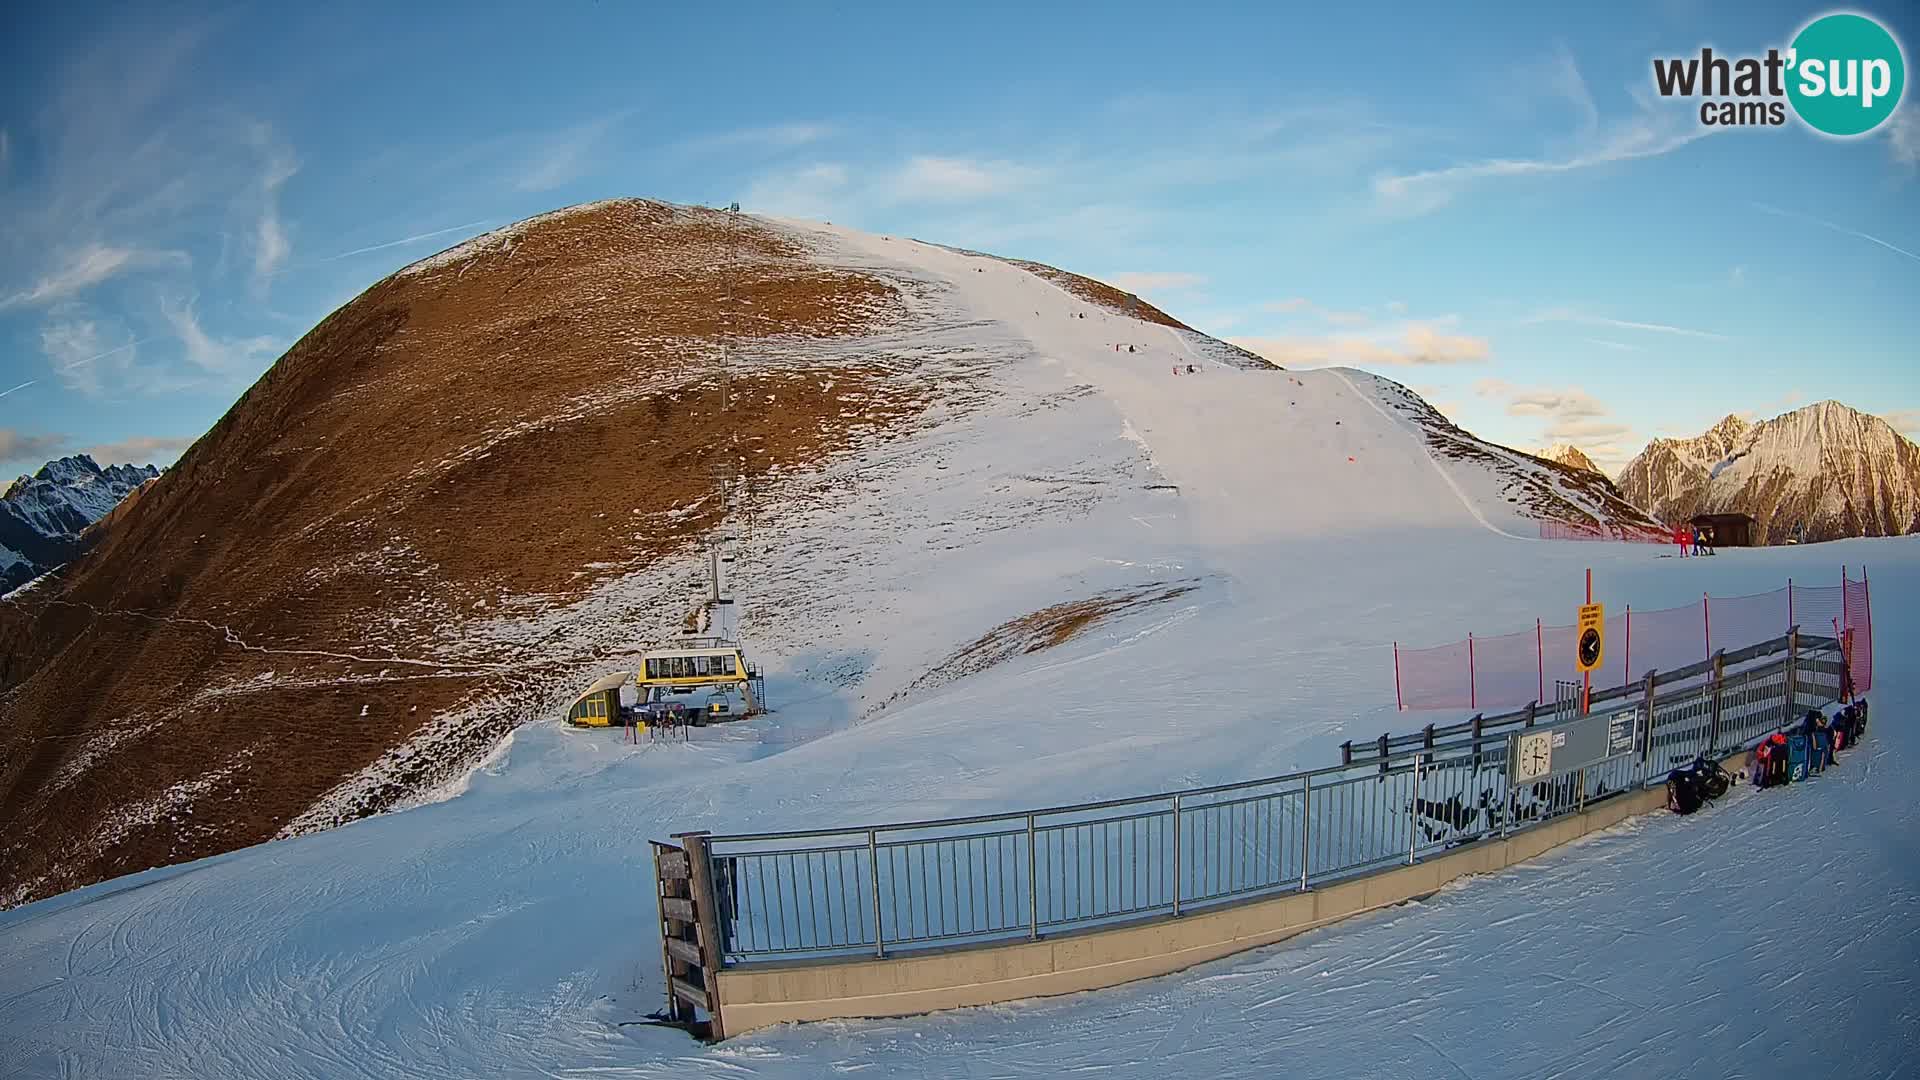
x=1730 y=428
x=1569 y=455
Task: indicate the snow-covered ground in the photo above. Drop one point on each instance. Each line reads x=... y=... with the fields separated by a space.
x=509 y=931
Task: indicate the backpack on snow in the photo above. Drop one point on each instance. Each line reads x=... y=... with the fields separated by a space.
x=1683 y=792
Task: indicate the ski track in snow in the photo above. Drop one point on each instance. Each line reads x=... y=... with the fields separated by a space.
x=508 y=932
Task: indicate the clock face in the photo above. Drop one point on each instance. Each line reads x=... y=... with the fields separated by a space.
x=1589 y=648
x=1535 y=758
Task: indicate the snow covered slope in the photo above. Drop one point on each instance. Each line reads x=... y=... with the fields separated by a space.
x=1826 y=469
x=505 y=933
x=1278 y=531
x=485 y=481
x=42 y=515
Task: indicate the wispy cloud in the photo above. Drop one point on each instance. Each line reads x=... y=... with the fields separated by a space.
x=86 y=267
x=1903 y=137
x=76 y=347
x=271 y=244
x=22 y=386
x=813 y=191
x=770 y=137
x=943 y=179
x=1302 y=305
x=1146 y=281
x=1841 y=229
x=1649 y=131
x=140 y=450
x=1571 y=315
x=1568 y=415
x=213 y=354
x=17 y=445
x=1415 y=344
x=403 y=241
x=1619 y=346
x=6 y=153
x=1904 y=421
x=556 y=159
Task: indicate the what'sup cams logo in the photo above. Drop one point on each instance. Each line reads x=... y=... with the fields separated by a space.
x=1843 y=76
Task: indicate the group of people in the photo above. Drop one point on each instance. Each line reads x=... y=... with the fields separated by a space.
x=1693 y=540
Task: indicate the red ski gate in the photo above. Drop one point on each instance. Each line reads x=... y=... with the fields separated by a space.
x=1512 y=670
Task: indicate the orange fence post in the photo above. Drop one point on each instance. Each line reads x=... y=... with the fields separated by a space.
x=1540 y=657
x=1473 y=689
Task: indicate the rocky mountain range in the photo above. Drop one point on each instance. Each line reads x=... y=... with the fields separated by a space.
x=1817 y=473
x=43 y=514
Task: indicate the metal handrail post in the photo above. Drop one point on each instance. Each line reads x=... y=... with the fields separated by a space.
x=1306 y=831
x=873 y=868
x=1176 y=854
x=1413 y=818
x=1033 y=887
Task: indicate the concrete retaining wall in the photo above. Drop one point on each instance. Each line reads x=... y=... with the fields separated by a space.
x=757 y=995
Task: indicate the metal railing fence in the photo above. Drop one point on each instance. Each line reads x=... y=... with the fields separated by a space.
x=881 y=889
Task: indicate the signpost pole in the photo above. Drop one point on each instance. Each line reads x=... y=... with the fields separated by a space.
x=1586 y=677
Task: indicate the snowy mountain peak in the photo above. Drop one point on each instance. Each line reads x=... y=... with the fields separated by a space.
x=43 y=515
x=1569 y=455
x=1729 y=429
x=1825 y=470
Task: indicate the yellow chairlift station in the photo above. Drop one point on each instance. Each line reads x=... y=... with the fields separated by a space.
x=686 y=669
x=599 y=704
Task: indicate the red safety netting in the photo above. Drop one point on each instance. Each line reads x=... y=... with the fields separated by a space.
x=1566 y=530
x=1510 y=670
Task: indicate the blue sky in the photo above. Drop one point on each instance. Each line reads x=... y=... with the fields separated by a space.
x=1495 y=209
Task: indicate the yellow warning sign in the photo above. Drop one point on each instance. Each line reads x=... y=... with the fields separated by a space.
x=1590 y=641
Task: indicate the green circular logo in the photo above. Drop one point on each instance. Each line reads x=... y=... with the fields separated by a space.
x=1845 y=74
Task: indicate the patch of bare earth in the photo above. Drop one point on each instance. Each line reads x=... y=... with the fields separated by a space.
x=1047 y=628
x=510 y=422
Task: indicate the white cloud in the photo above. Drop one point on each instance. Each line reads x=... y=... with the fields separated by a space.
x=76 y=347
x=1572 y=403
x=1414 y=344
x=946 y=179
x=1156 y=281
x=86 y=267
x=1570 y=415
x=812 y=191
x=211 y=354
x=271 y=245
x=1905 y=421
x=139 y=450
x=1571 y=315
x=771 y=137
x=556 y=159
x=1335 y=316
x=1903 y=136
